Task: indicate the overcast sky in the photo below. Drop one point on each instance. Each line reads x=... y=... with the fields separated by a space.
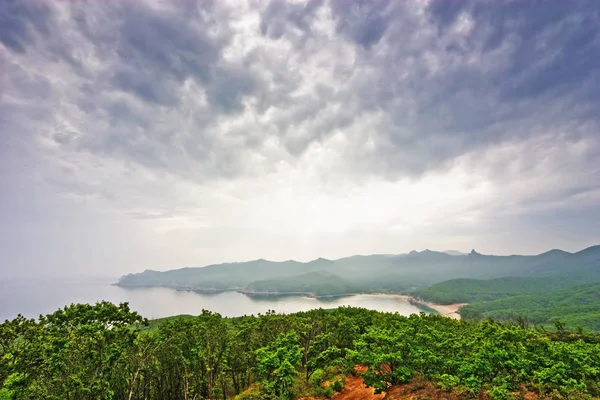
x=165 y=134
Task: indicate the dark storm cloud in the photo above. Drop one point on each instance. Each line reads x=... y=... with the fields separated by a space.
x=158 y=50
x=445 y=79
x=17 y=21
x=365 y=22
x=147 y=87
x=521 y=69
x=138 y=50
x=172 y=43
x=280 y=17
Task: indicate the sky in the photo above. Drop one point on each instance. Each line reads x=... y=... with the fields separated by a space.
x=164 y=134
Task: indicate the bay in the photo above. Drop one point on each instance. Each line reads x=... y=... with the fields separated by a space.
x=32 y=297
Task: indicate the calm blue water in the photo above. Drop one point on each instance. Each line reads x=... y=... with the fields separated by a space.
x=33 y=297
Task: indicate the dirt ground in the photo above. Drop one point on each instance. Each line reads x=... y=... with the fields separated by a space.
x=355 y=389
x=416 y=390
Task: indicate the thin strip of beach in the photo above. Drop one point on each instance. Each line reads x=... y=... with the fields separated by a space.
x=447 y=310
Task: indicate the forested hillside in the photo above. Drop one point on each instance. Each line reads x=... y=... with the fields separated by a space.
x=313 y=283
x=105 y=351
x=477 y=290
x=578 y=306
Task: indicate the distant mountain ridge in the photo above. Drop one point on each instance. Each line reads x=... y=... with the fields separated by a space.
x=373 y=273
x=455 y=253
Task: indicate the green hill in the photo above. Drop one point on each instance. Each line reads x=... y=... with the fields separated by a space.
x=476 y=290
x=576 y=306
x=314 y=283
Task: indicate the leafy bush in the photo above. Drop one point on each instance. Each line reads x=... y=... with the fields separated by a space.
x=254 y=392
x=501 y=393
x=448 y=382
x=324 y=392
x=317 y=377
x=338 y=384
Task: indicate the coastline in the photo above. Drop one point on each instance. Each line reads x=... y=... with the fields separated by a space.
x=310 y=295
x=447 y=310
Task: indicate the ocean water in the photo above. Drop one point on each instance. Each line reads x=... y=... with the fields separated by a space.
x=32 y=297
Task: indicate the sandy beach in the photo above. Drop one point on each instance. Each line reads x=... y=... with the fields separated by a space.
x=447 y=310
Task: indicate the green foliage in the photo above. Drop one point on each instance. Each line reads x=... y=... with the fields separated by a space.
x=448 y=382
x=574 y=307
x=338 y=384
x=255 y=392
x=12 y=381
x=387 y=355
x=76 y=351
x=328 y=392
x=316 y=283
x=276 y=364
x=478 y=290
x=501 y=393
x=317 y=378
x=105 y=351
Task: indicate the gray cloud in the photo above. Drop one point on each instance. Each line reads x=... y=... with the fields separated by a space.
x=19 y=19
x=364 y=22
x=280 y=19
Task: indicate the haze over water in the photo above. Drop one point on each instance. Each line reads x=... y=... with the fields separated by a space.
x=32 y=297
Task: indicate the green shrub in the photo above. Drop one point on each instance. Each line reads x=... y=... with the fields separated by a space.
x=254 y=392
x=301 y=388
x=331 y=372
x=571 y=395
x=501 y=393
x=576 y=394
x=317 y=377
x=6 y=394
x=338 y=384
x=448 y=382
x=324 y=392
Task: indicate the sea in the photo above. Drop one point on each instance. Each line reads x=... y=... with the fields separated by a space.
x=33 y=297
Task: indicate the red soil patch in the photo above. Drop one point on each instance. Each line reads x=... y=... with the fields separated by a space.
x=419 y=389
x=355 y=388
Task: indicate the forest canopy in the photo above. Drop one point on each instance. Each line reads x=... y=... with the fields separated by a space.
x=107 y=351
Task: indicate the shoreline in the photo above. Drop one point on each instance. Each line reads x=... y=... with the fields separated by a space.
x=309 y=295
x=446 y=310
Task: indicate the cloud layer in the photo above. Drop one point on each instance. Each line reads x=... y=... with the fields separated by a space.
x=161 y=134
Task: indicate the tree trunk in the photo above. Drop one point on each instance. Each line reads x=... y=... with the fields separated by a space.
x=132 y=385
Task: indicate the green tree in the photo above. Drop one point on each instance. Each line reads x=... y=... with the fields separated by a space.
x=276 y=364
x=75 y=352
x=387 y=354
